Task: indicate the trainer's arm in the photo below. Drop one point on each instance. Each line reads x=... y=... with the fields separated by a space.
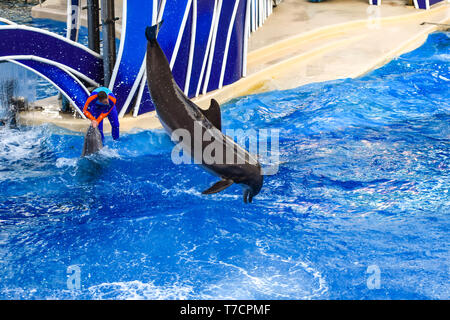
x=86 y=105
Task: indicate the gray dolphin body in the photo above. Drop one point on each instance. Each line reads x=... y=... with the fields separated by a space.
x=92 y=142
x=176 y=111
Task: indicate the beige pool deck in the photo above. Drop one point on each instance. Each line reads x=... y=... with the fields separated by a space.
x=301 y=43
x=57 y=10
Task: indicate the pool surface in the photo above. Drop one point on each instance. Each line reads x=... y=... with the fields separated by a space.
x=362 y=191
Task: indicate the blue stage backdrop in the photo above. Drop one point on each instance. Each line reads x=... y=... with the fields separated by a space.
x=125 y=78
x=204 y=41
x=21 y=42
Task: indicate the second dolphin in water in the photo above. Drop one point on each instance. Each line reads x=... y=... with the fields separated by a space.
x=176 y=111
x=92 y=142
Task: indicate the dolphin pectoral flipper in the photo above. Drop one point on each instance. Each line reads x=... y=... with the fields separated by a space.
x=219 y=186
x=213 y=114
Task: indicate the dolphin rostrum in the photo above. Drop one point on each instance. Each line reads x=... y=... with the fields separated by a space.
x=92 y=141
x=177 y=112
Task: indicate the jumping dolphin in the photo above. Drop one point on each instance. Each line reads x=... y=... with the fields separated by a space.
x=92 y=141
x=176 y=111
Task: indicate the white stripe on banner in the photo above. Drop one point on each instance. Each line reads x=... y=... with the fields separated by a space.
x=121 y=47
x=208 y=45
x=192 y=48
x=180 y=34
x=227 y=45
x=133 y=89
x=252 y=5
x=140 y=93
x=213 y=45
x=69 y=20
x=246 y=37
x=154 y=12
x=264 y=10
x=161 y=10
x=143 y=81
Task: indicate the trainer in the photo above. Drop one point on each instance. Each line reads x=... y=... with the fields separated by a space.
x=101 y=104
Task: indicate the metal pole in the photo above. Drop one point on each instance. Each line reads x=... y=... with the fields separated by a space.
x=109 y=39
x=93 y=25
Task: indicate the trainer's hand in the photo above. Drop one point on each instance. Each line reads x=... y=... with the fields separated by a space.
x=94 y=123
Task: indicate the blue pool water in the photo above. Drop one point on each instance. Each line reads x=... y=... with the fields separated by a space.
x=363 y=185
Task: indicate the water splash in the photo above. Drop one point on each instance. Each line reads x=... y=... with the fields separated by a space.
x=15 y=81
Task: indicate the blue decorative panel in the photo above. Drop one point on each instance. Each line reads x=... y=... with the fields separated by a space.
x=32 y=42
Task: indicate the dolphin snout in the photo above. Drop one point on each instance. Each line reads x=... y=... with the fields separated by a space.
x=253 y=187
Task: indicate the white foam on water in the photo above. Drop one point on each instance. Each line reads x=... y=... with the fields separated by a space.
x=443 y=57
x=302 y=282
x=137 y=290
x=108 y=152
x=16 y=145
x=264 y=276
x=66 y=162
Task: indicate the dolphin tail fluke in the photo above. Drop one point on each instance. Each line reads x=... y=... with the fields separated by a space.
x=219 y=186
x=152 y=32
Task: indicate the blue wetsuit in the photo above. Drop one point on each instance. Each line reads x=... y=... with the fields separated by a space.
x=95 y=110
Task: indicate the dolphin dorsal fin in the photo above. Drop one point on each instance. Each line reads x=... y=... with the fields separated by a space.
x=213 y=114
x=219 y=186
